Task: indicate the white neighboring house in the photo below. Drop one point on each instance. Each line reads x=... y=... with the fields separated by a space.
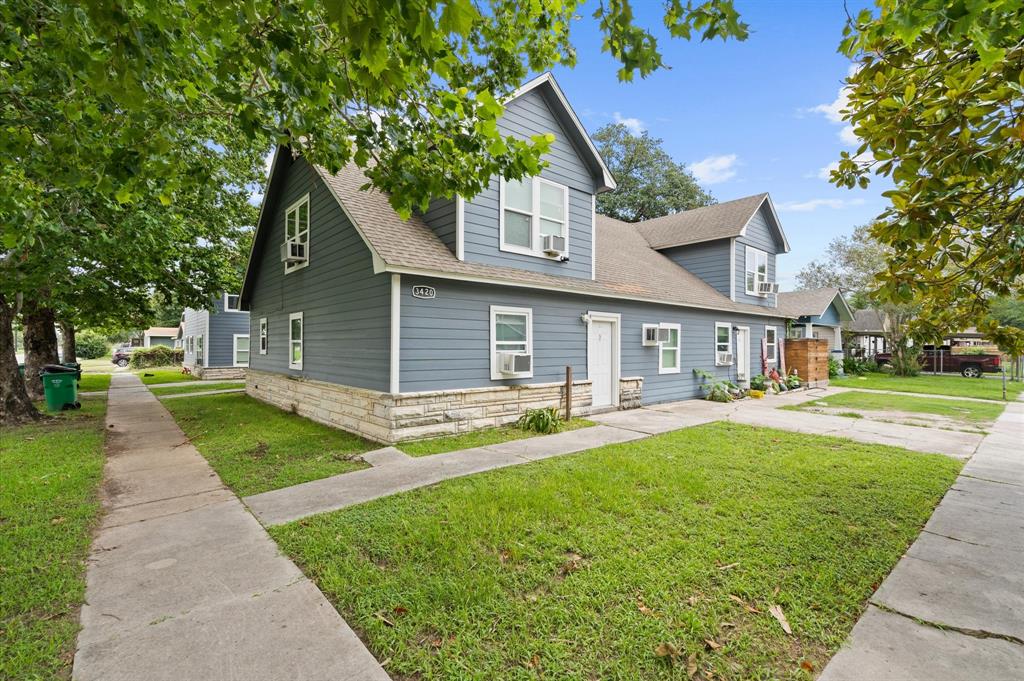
x=216 y=341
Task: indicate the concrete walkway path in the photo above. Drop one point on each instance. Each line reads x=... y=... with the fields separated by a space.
x=183 y=583
x=765 y=413
x=392 y=474
x=953 y=608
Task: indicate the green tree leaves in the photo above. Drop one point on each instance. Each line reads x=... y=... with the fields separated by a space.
x=650 y=182
x=938 y=102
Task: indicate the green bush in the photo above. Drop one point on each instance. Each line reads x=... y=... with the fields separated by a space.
x=157 y=356
x=833 y=367
x=90 y=345
x=792 y=381
x=758 y=382
x=541 y=420
x=906 y=363
x=714 y=389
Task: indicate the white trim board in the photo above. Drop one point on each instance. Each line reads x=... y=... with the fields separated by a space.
x=460 y=228
x=234 y=349
x=396 y=330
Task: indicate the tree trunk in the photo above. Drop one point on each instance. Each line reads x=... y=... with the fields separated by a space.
x=40 y=345
x=67 y=342
x=15 y=405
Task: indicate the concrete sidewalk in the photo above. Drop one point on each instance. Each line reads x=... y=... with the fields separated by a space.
x=951 y=609
x=392 y=474
x=183 y=583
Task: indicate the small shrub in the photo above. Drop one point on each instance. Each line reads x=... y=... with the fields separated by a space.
x=542 y=421
x=792 y=381
x=833 y=367
x=90 y=345
x=906 y=363
x=716 y=390
x=758 y=382
x=157 y=356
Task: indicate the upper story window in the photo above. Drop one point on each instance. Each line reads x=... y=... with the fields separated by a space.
x=295 y=250
x=231 y=303
x=531 y=210
x=756 y=270
x=263 y=335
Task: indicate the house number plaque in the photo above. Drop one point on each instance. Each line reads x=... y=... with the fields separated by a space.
x=426 y=292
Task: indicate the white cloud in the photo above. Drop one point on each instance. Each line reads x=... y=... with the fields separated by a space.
x=814 y=204
x=848 y=137
x=826 y=172
x=634 y=125
x=715 y=169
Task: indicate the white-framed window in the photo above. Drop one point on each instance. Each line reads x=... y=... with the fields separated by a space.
x=296 y=228
x=668 y=351
x=295 y=340
x=511 y=333
x=723 y=343
x=771 y=344
x=756 y=270
x=231 y=302
x=263 y=336
x=199 y=350
x=240 y=350
x=531 y=209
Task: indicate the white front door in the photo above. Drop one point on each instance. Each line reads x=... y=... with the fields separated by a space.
x=601 y=361
x=742 y=354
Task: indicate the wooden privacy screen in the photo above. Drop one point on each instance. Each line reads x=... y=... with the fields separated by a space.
x=809 y=356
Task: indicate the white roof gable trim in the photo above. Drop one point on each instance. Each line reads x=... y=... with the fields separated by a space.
x=548 y=79
x=775 y=216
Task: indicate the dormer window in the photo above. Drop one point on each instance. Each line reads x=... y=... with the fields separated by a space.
x=295 y=251
x=534 y=217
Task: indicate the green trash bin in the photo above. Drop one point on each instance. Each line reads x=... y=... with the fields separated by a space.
x=60 y=387
x=21 y=370
x=76 y=366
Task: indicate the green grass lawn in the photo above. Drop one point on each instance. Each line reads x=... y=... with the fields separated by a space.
x=94 y=382
x=961 y=410
x=100 y=365
x=195 y=387
x=50 y=475
x=479 y=438
x=954 y=386
x=256 y=447
x=158 y=375
x=583 y=566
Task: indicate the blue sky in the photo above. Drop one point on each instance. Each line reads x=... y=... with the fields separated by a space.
x=745 y=117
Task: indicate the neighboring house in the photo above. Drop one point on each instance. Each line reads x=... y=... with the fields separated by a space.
x=818 y=314
x=468 y=314
x=867 y=333
x=216 y=342
x=159 y=335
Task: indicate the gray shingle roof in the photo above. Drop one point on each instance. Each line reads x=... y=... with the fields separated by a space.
x=626 y=266
x=867 y=321
x=719 y=221
x=807 y=303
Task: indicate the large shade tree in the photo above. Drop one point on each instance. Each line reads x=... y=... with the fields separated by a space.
x=112 y=100
x=650 y=183
x=938 y=101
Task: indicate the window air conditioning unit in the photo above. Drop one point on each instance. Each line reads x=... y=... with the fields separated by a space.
x=766 y=287
x=723 y=358
x=293 y=252
x=514 y=363
x=554 y=245
x=653 y=334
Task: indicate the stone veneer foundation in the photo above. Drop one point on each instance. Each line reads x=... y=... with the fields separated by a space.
x=219 y=373
x=389 y=418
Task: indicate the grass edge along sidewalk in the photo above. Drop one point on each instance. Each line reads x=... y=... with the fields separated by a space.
x=52 y=472
x=952 y=386
x=630 y=560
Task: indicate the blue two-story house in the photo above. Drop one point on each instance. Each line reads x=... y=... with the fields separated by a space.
x=466 y=315
x=216 y=340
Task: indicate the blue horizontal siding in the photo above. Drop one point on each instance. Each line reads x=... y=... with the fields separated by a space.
x=708 y=260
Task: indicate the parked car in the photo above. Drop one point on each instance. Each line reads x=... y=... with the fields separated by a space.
x=943 y=359
x=122 y=355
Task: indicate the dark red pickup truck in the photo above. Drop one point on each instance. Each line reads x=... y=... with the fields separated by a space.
x=942 y=359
